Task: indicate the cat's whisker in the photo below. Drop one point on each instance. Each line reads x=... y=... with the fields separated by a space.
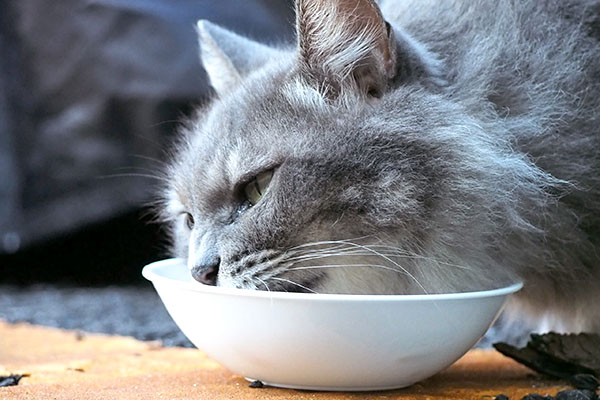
x=396 y=252
x=264 y=283
x=350 y=251
x=341 y=241
x=344 y=247
x=324 y=249
x=393 y=262
x=133 y=175
x=347 y=266
x=138 y=168
x=294 y=283
x=147 y=158
x=406 y=254
x=317 y=255
x=303 y=253
x=166 y=121
x=309 y=257
x=355 y=252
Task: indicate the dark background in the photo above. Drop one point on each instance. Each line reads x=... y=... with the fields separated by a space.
x=112 y=251
x=91 y=92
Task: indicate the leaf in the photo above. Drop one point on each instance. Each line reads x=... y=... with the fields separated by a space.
x=582 y=349
x=11 y=380
x=558 y=355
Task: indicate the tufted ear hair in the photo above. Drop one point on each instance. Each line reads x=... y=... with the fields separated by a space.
x=344 y=42
x=228 y=57
x=347 y=45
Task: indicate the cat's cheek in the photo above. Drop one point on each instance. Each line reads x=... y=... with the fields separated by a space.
x=191 y=255
x=180 y=243
x=192 y=249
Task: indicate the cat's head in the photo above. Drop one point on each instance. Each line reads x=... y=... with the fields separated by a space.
x=331 y=166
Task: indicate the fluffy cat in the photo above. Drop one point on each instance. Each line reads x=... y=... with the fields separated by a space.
x=450 y=146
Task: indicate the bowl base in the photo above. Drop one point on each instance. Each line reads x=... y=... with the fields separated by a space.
x=333 y=388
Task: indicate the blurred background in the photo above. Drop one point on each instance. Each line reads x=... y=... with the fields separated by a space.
x=91 y=92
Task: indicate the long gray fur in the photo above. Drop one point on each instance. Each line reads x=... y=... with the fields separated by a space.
x=456 y=150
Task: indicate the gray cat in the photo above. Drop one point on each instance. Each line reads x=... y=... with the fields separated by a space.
x=452 y=146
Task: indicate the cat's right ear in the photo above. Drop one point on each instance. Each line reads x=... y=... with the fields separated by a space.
x=346 y=46
x=228 y=57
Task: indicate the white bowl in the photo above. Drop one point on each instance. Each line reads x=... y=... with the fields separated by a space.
x=326 y=341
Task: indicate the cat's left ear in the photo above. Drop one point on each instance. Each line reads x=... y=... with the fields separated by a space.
x=228 y=57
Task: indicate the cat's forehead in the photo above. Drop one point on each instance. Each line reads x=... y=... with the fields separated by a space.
x=221 y=150
x=271 y=117
x=263 y=115
x=211 y=169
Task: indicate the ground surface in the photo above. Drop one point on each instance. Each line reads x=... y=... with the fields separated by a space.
x=68 y=365
x=129 y=311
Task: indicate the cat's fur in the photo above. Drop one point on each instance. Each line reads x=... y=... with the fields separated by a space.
x=455 y=149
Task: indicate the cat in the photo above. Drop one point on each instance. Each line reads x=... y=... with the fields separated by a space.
x=405 y=147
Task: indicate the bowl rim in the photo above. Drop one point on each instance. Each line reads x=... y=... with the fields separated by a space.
x=151 y=273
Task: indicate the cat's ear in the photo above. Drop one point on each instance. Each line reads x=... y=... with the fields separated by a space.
x=347 y=45
x=228 y=57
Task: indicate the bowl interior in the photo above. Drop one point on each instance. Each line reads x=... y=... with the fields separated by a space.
x=173 y=271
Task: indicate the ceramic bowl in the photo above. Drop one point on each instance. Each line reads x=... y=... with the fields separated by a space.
x=326 y=341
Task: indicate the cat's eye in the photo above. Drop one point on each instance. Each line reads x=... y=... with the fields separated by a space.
x=256 y=188
x=189 y=220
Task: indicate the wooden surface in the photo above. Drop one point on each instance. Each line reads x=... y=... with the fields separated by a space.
x=71 y=365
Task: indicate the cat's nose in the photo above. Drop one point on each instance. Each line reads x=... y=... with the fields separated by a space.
x=207 y=273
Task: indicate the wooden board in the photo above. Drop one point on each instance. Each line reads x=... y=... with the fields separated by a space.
x=71 y=365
